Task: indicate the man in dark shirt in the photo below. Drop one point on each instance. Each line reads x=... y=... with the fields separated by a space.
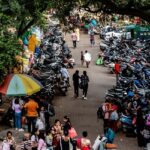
x=135 y=103
x=75 y=79
x=127 y=72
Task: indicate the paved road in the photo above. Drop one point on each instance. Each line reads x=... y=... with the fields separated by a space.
x=81 y=112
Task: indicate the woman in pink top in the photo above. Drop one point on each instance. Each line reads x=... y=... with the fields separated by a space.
x=41 y=142
x=74 y=39
x=17 y=110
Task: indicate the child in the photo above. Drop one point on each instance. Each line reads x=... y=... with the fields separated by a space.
x=49 y=139
x=34 y=139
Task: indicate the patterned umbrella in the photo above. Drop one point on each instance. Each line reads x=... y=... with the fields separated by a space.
x=20 y=85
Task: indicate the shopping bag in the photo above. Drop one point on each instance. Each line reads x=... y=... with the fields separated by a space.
x=72 y=133
x=96 y=143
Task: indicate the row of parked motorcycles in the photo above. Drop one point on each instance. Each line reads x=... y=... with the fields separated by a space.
x=47 y=68
x=48 y=63
x=134 y=57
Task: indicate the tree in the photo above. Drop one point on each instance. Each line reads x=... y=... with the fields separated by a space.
x=18 y=15
x=24 y=13
x=140 y=8
x=63 y=8
x=9 y=48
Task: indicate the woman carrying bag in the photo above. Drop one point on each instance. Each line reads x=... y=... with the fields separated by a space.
x=66 y=142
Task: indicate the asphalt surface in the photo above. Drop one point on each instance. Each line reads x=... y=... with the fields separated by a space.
x=83 y=112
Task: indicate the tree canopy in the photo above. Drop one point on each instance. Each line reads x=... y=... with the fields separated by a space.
x=140 y=8
x=23 y=13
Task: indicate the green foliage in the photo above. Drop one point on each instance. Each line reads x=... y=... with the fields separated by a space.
x=139 y=8
x=9 y=48
x=19 y=15
x=24 y=13
x=62 y=8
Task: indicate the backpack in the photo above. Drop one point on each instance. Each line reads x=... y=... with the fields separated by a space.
x=100 y=113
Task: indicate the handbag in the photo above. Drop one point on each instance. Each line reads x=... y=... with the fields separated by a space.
x=72 y=133
x=96 y=143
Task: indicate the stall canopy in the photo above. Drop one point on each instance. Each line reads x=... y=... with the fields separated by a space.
x=20 y=85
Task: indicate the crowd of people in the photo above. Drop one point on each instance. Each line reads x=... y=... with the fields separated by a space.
x=59 y=136
x=75 y=36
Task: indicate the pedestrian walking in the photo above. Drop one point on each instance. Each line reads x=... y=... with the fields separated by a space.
x=84 y=84
x=74 y=39
x=117 y=70
x=82 y=58
x=87 y=58
x=92 y=38
x=78 y=34
x=75 y=79
x=17 y=110
x=31 y=107
x=109 y=134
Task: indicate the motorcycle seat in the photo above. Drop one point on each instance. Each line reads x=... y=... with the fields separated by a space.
x=119 y=90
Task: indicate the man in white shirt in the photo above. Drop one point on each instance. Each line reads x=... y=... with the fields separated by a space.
x=87 y=58
x=40 y=124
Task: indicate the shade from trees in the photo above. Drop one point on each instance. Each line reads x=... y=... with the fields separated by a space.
x=140 y=8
